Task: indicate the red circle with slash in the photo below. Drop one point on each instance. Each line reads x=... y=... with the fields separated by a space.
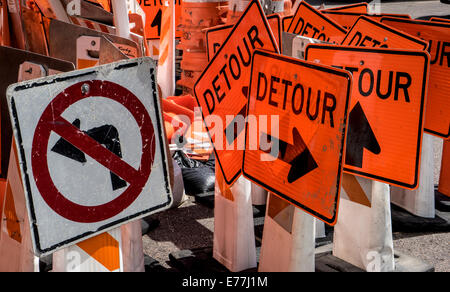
x=51 y=120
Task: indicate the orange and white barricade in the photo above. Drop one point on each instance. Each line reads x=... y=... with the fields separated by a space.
x=166 y=60
x=118 y=250
x=102 y=253
x=92 y=25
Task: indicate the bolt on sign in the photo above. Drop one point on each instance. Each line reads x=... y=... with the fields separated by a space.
x=86 y=170
x=299 y=157
x=153 y=16
x=310 y=22
x=437 y=118
x=215 y=36
x=221 y=90
x=385 y=123
x=370 y=33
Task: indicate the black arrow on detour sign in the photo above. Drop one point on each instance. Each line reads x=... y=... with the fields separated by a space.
x=296 y=154
x=233 y=130
x=359 y=136
x=106 y=135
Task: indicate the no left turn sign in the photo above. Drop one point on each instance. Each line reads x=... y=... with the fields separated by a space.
x=92 y=150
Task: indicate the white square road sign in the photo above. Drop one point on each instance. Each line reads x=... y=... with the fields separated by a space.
x=92 y=150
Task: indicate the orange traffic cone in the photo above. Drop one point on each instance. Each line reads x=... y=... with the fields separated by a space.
x=171 y=107
x=196 y=15
x=188 y=101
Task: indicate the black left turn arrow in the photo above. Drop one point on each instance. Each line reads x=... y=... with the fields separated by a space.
x=106 y=135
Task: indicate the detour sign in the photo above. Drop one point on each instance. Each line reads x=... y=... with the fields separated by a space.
x=386 y=112
x=437 y=119
x=299 y=158
x=215 y=36
x=221 y=91
x=311 y=23
x=370 y=33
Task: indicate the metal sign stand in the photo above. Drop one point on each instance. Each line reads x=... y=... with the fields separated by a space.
x=234 y=237
x=367 y=241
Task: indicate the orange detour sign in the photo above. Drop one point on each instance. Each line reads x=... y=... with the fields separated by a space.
x=370 y=33
x=298 y=158
x=311 y=23
x=216 y=35
x=355 y=8
x=437 y=120
x=221 y=90
x=347 y=19
x=385 y=124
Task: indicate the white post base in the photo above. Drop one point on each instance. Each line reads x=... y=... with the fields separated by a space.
x=320 y=229
x=85 y=257
x=259 y=195
x=234 y=235
x=363 y=235
x=288 y=242
x=420 y=201
x=132 y=247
